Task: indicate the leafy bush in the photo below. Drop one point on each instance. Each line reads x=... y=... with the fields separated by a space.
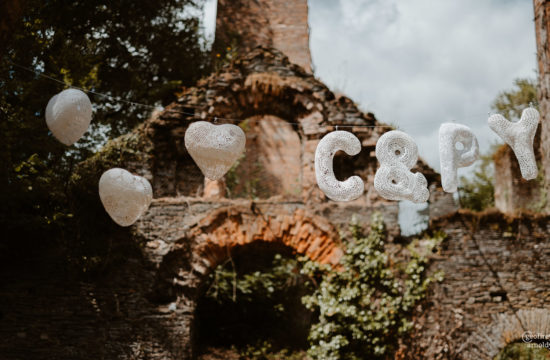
x=360 y=309
x=365 y=306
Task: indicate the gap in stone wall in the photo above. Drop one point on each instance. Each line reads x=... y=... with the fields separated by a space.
x=223 y=323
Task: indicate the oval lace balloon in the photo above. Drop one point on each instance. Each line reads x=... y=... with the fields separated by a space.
x=125 y=196
x=214 y=148
x=68 y=115
x=450 y=157
x=398 y=153
x=349 y=189
x=519 y=136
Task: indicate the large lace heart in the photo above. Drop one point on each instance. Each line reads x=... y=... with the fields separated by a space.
x=215 y=148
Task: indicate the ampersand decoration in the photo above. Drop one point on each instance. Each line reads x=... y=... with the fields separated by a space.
x=124 y=196
x=398 y=153
x=349 y=189
x=68 y=115
x=458 y=147
x=215 y=148
x=519 y=136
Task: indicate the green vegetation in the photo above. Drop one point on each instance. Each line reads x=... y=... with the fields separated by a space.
x=510 y=103
x=523 y=351
x=365 y=307
x=358 y=311
x=138 y=51
x=253 y=307
x=477 y=192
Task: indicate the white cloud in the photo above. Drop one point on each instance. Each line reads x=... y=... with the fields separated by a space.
x=418 y=63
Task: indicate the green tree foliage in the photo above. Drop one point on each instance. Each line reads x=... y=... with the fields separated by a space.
x=510 y=103
x=142 y=51
x=365 y=307
x=477 y=192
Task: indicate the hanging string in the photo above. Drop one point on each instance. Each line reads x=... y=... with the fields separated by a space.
x=214 y=118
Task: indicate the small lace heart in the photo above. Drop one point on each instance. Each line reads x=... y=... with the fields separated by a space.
x=214 y=148
x=68 y=115
x=125 y=196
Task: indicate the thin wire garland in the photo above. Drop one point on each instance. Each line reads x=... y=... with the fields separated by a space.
x=213 y=118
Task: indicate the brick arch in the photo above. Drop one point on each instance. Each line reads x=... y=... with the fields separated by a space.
x=505 y=329
x=227 y=228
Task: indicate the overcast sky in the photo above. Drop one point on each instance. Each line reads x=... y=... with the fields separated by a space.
x=419 y=63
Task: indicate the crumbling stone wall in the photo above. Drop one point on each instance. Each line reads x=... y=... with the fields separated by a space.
x=496 y=282
x=496 y=286
x=260 y=86
x=512 y=192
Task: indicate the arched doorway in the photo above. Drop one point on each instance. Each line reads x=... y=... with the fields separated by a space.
x=247 y=243
x=251 y=305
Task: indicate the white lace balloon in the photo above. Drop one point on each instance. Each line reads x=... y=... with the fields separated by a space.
x=520 y=137
x=333 y=142
x=215 y=148
x=451 y=157
x=125 y=196
x=398 y=153
x=68 y=115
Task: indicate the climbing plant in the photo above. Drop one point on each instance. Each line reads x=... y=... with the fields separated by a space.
x=365 y=306
x=358 y=310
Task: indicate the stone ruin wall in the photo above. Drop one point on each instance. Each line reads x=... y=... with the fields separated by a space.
x=143 y=308
x=495 y=286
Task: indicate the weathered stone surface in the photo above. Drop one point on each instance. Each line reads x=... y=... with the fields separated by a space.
x=271 y=23
x=143 y=308
x=495 y=273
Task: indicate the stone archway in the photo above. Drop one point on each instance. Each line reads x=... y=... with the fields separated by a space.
x=210 y=241
x=233 y=226
x=505 y=329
